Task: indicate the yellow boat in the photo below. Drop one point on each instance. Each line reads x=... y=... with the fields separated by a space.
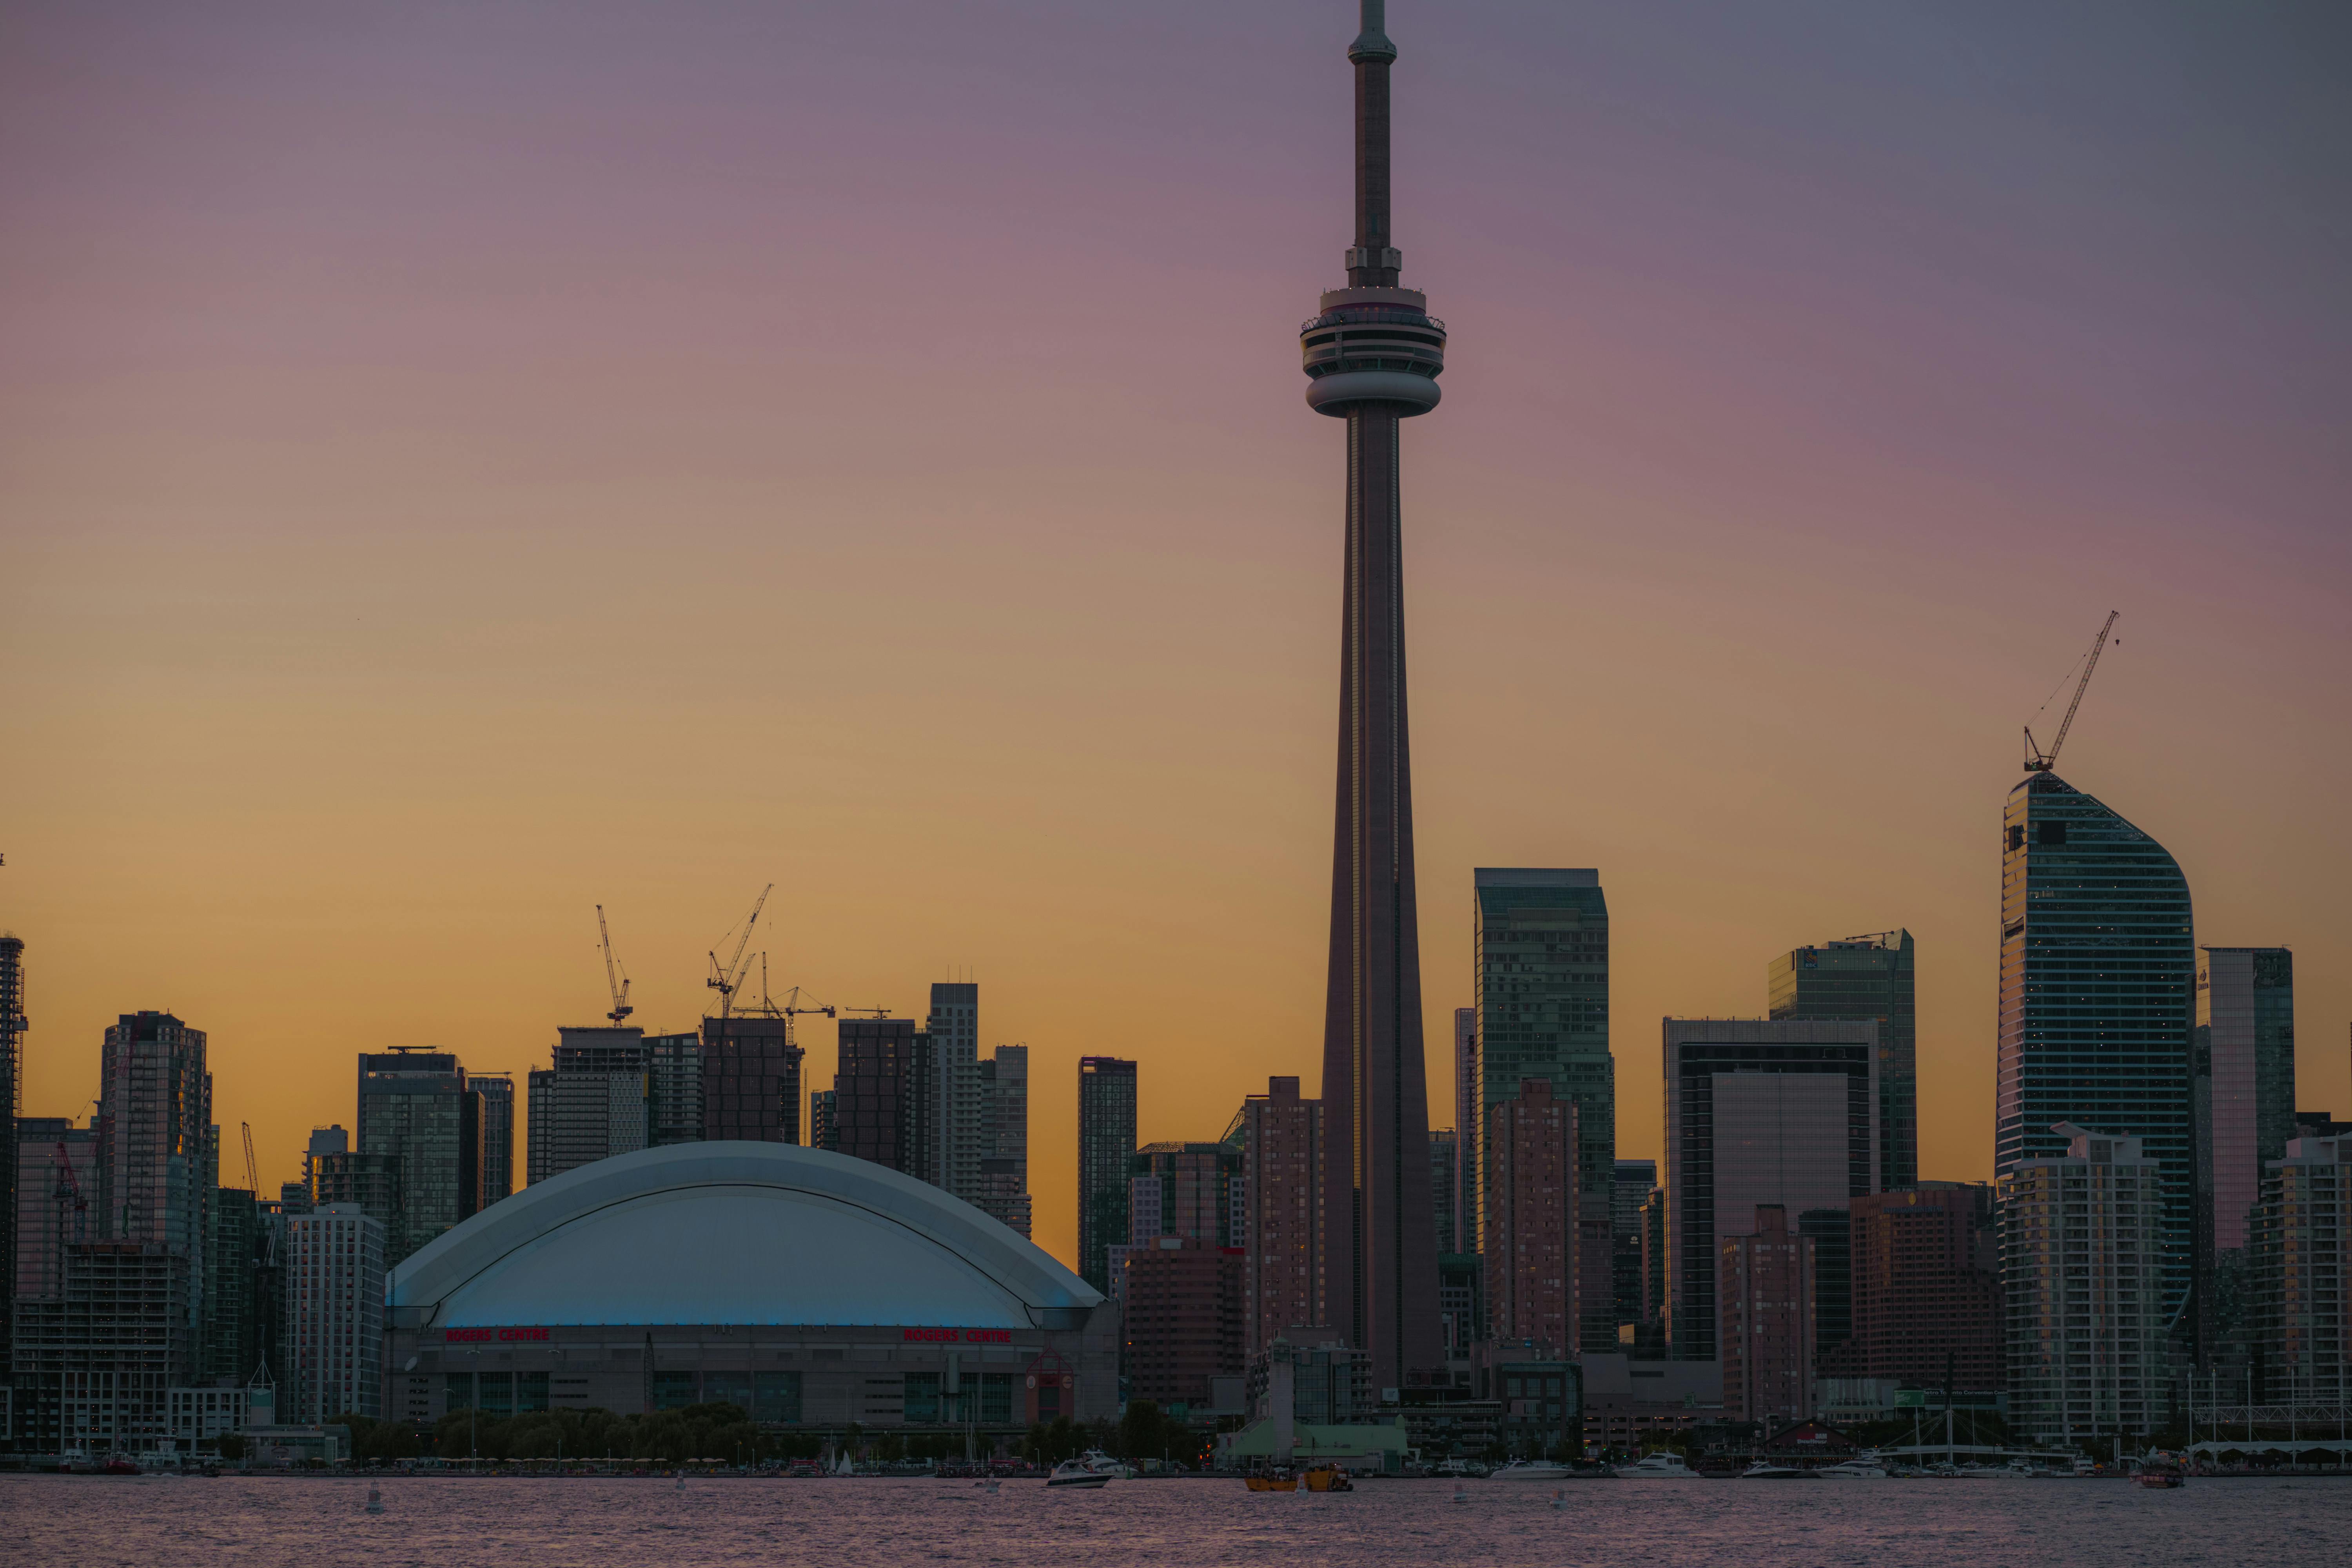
x=1328 y=1478
x=1265 y=1483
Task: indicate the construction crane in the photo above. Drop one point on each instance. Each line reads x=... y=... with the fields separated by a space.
x=252 y=1172
x=878 y=1012
x=725 y=979
x=619 y=988
x=796 y=1004
x=2037 y=761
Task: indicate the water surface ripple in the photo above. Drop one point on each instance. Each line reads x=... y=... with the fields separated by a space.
x=718 y=1523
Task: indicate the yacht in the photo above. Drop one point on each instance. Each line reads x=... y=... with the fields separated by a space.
x=1860 y=1468
x=1532 y=1470
x=1653 y=1467
x=1766 y=1471
x=1076 y=1473
x=1092 y=1468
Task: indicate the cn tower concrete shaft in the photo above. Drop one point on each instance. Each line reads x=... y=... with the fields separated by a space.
x=1372 y=355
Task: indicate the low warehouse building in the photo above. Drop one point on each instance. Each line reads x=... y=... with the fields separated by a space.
x=809 y=1287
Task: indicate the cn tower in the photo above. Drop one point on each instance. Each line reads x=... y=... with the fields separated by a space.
x=1372 y=357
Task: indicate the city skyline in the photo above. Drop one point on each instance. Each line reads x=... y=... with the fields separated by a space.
x=326 y=694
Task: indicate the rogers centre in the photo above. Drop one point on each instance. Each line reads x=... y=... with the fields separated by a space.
x=811 y=1289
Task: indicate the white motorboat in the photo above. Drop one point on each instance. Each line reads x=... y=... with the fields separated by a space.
x=1075 y=1473
x=1766 y=1471
x=1860 y=1468
x=1092 y=1468
x=1656 y=1467
x=1532 y=1470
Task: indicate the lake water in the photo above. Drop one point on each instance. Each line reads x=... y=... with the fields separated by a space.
x=154 y=1522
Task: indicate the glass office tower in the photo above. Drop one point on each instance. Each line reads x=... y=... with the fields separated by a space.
x=1105 y=1143
x=2098 y=962
x=1542 y=957
x=1865 y=977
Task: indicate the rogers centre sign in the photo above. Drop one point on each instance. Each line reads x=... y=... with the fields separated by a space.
x=452 y=1336
x=962 y=1336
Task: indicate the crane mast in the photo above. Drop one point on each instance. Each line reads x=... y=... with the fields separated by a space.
x=2037 y=761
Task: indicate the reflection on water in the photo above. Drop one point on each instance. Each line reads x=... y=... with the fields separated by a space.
x=458 y=1523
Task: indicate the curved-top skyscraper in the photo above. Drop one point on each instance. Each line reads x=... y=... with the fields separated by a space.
x=1373 y=355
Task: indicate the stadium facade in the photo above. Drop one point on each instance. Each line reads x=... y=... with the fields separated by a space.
x=812 y=1288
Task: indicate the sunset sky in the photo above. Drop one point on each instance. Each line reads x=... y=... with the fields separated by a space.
x=460 y=464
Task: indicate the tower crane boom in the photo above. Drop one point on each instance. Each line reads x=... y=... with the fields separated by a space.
x=2039 y=762
x=619 y=988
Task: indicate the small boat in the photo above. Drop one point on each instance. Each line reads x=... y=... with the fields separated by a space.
x=1532 y=1470
x=1077 y=1473
x=1272 y=1482
x=375 y=1500
x=1326 y=1478
x=1659 y=1466
x=1766 y=1471
x=120 y=1467
x=1862 y=1467
x=2162 y=1473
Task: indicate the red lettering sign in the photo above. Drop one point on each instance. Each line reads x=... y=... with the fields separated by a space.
x=952 y=1336
x=457 y=1336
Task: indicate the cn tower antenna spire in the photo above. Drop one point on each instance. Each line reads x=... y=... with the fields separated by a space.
x=1375 y=260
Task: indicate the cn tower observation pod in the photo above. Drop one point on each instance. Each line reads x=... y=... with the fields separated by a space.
x=1373 y=345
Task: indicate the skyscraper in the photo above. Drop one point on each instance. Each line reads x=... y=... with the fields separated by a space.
x=154 y=1129
x=592 y=1102
x=497 y=1090
x=155 y=1159
x=418 y=1108
x=959 y=1133
x=674 y=1086
x=2083 y=1265
x=1003 y=1193
x=878 y=1092
x=56 y=1173
x=231 y=1346
x=334 y=1314
x=750 y=1079
x=1756 y=1113
x=2245 y=1037
x=1769 y=1321
x=1628 y=1192
x=2098 y=964
x=1192 y=1186
x=1182 y=1320
x=1532 y=1259
x=1542 y=957
x=1865 y=978
x=1927 y=1286
x=1372 y=355
x=1445 y=1182
x=1462 y=1199
x=2301 y=1246
x=1105 y=1140
x=1282 y=1161
x=12 y=1083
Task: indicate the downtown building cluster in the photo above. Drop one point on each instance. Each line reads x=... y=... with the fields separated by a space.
x=2164 y=1228
x=152 y=1309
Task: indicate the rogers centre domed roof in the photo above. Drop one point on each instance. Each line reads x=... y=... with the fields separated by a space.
x=734 y=1233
